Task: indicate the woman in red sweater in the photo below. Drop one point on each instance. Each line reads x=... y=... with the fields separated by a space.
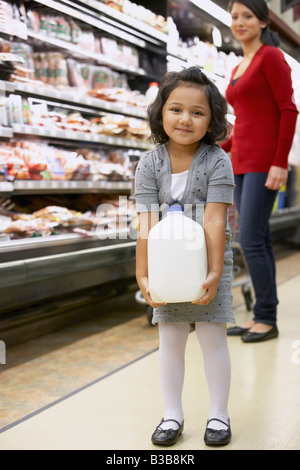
x=260 y=92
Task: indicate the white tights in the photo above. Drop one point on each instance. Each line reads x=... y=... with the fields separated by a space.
x=212 y=338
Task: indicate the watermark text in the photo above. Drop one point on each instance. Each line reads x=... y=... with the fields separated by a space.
x=120 y=221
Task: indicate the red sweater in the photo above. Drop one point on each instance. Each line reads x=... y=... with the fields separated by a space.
x=266 y=115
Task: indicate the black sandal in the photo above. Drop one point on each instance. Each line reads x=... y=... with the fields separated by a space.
x=166 y=437
x=217 y=437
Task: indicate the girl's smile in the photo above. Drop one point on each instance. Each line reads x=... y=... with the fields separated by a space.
x=183 y=130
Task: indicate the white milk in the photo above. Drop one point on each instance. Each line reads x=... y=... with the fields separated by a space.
x=177 y=258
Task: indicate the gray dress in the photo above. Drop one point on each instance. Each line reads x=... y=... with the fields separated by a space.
x=210 y=179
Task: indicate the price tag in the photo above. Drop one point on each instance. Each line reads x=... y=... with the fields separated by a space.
x=6 y=187
x=69 y=134
x=31 y=184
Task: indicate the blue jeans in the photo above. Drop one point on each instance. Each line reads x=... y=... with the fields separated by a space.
x=254 y=204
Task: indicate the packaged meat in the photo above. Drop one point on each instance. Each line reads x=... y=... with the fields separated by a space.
x=61 y=71
x=101 y=78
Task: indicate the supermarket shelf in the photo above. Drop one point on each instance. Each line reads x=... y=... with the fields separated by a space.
x=6 y=188
x=52 y=133
x=103 y=24
x=33 y=246
x=30 y=244
x=14 y=28
x=72 y=97
x=6 y=132
x=63 y=187
x=5 y=29
x=99 y=58
x=126 y=19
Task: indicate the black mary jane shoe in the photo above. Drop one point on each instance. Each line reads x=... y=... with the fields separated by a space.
x=215 y=437
x=249 y=337
x=166 y=437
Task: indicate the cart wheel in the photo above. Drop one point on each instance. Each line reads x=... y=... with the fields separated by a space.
x=248 y=298
x=149 y=314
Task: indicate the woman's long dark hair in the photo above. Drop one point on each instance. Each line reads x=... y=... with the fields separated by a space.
x=192 y=76
x=261 y=11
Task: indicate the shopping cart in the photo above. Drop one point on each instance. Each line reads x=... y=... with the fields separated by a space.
x=239 y=264
x=239 y=260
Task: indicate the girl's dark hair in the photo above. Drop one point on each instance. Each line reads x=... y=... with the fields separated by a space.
x=261 y=11
x=189 y=77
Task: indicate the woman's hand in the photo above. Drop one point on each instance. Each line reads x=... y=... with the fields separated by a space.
x=144 y=286
x=211 y=285
x=277 y=177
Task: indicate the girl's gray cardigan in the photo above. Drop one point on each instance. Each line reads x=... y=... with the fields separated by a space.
x=210 y=179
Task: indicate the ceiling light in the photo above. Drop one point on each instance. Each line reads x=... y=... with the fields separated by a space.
x=214 y=10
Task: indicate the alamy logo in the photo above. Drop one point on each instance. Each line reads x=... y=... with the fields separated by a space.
x=2 y=352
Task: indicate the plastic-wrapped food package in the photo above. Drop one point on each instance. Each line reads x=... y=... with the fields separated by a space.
x=110 y=49
x=131 y=56
x=61 y=71
x=86 y=40
x=102 y=77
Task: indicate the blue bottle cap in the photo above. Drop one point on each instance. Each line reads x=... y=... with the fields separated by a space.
x=175 y=208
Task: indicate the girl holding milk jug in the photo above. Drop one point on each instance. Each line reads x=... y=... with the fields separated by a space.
x=187 y=118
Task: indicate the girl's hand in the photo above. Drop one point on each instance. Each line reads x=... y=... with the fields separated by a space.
x=144 y=286
x=277 y=177
x=211 y=285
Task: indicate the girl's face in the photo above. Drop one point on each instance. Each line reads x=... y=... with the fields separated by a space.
x=245 y=27
x=186 y=115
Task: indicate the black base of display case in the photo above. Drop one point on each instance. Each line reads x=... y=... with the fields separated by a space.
x=53 y=291
x=36 y=320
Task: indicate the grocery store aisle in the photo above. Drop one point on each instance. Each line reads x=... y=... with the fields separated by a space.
x=118 y=408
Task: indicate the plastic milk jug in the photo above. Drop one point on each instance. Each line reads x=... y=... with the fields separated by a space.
x=177 y=258
x=151 y=93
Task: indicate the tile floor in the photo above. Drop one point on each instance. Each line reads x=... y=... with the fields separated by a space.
x=95 y=385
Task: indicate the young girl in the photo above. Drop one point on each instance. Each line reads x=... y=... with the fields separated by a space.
x=186 y=119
